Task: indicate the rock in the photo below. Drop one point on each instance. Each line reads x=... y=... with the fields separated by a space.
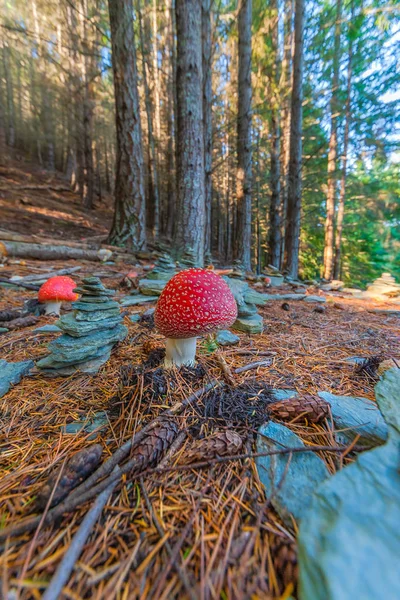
x=349 y=539
x=289 y=485
x=47 y=329
x=89 y=333
x=134 y=318
x=356 y=415
x=76 y=328
x=383 y=287
x=268 y=297
x=285 y=306
x=12 y=373
x=333 y=286
x=164 y=268
x=95 y=422
x=319 y=309
x=253 y=324
x=253 y=297
x=139 y=299
x=3 y=330
x=315 y=299
x=151 y=287
x=225 y=337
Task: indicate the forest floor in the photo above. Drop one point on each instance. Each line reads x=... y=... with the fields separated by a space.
x=186 y=532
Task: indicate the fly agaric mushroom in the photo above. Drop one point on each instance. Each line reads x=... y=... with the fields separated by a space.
x=56 y=290
x=194 y=302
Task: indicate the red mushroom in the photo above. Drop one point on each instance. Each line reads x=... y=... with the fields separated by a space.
x=56 y=290
x=194 y=302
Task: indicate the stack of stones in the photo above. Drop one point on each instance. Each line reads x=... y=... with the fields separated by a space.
x=188 y=260
x=385 y=286
x=89 y=333
x=156 y=279
x=247 y=299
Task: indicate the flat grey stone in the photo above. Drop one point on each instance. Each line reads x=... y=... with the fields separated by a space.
x=225 y=337
x=253 y=297
x=151 y=287
x=289 y=485
x=247 y=310
x=134 y=318
x=12 y=373
x=97 y=315
x=290 y=296
x=358 y=416
x=93 y=362
x=47 y=329
x=252 y=324
x=73 y=350
x=314 y=299
x=96 y=422
x=3 y=330
x=94 y=299
x=139 y=299
x=71 y=326
x=89 y=306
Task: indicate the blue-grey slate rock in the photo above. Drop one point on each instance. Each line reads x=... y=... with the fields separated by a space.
x=152 y=287
x=74 y=328
x=12 y=373
x=139 y=299
x=253 y=324
x=349 y=539
x=356 y=416
x=134 y=318
x=225 y=337
x=96 y=422
x=47 y=329
x=289 y=480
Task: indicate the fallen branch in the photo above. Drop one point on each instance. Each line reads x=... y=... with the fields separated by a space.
x=48 y=252
x=26 y=286
x=64 y=570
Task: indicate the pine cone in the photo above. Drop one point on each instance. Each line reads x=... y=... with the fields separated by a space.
x=222 y=443
x=284 y=559
x=149 y=451
x=312 y=408
x=76 y=470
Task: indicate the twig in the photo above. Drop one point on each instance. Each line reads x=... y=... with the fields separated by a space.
x=225 y=368
x=255 y=365
x=64 y=570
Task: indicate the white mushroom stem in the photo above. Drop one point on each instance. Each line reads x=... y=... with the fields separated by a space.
x=180 y=352
x=53 y=308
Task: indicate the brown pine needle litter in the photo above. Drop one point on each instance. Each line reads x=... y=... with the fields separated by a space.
x=189 y=517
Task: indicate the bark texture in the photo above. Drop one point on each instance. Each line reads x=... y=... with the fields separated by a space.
x=292 y=238
x=275 y=206
x=190 y=223
x=128 y=227
x=207 y=123
x=244 y=154
x=332 y=155
x=342 y=194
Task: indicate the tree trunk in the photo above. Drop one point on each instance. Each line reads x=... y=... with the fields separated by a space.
x=275 y=216
x=342 y=195
x=9 y=94
x=87 y=107
x=189 y=234
x=331 y=193
x=154 y=197
x=244 y=158
x=171 y=126
x=207 y=120
x=129 y=217
x=292 y=237
x=285 y=87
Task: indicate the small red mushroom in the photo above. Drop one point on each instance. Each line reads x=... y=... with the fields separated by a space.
x=194 y=302
x=56 y=290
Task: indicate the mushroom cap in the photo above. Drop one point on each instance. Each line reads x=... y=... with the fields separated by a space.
x=194 y=302
x=58 y=289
